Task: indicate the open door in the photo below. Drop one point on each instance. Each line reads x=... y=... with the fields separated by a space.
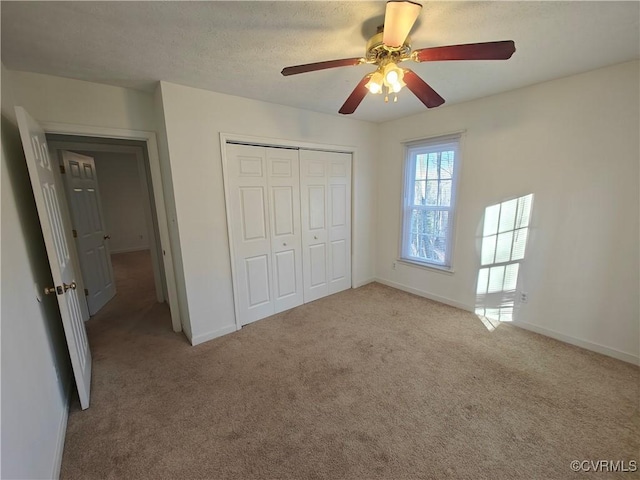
x=89 y=229
x=56 y=230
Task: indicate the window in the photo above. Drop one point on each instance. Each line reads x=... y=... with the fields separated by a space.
x=431 y=168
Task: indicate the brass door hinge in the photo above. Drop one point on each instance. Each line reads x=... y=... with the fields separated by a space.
x=75 y=233
x=62 y=170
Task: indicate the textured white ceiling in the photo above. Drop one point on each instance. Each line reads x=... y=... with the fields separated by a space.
x=240 y=47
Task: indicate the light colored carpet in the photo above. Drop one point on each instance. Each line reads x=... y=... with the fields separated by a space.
x=366 y=384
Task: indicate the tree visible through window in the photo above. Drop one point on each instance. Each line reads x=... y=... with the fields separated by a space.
x=430 y=178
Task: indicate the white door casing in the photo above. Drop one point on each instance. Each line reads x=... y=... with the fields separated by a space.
x=157 y=196
x=56 y=230
x=91 y=236
x=264 y=221
x=325 y=179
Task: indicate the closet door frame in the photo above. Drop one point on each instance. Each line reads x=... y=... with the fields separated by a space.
x=277 y=143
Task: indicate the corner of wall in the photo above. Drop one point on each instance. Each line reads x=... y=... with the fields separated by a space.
x=170 y=205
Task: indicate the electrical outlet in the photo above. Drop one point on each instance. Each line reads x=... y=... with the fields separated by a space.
x=524 y=297
x=393 y=265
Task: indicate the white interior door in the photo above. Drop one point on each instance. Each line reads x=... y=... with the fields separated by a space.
x=313 y=196
x=263 y=193
x=89 y=229
x=339 y=209
x=284 y=200
x=56 y=231
x=249 y=224
x=325 y=181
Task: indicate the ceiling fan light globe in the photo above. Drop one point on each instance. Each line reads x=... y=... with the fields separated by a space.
x=391 y=77
x=374 y=88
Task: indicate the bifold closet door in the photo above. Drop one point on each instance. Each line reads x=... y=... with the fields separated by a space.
x=284 y=202
x=264 y=219
x=325 y=183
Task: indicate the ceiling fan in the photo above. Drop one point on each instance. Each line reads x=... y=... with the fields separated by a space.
x=391 y=46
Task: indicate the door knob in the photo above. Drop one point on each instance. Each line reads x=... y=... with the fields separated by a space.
x=315 y=237
x=49 y=290
x=71 y=286
x=107 y=237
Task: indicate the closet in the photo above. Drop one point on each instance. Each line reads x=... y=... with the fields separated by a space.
x=289 y=219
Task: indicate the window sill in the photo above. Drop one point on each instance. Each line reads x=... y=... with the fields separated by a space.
x=425 y=266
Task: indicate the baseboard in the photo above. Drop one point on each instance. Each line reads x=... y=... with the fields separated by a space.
x=430 y=296
x=128 y=250
x=205 y=337
x=578 y=342
x=362 y=283
x=594 y=347
x=62 y=433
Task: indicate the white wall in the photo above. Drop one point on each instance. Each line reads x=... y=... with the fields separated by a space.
x=174 y=234
x=61 y=100
x=574 y=144
x=64 y=100
x=36 y=371
x=194 y=118
x=122 y=200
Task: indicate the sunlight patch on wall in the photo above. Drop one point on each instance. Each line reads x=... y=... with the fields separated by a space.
x=504 y=241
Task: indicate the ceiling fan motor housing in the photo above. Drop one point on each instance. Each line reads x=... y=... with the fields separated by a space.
x=378 y=53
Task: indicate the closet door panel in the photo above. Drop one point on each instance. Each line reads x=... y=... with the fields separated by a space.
x=339 y=213
x=286 y=247
x=250 y=227
x=313 y=195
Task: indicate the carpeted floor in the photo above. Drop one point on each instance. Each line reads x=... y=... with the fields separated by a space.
x=366 y=384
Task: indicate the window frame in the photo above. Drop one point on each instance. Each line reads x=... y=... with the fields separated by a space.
x=411 y=150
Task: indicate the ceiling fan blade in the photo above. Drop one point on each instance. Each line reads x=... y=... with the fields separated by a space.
x=398 y=20
x=420 y=89
x=470 y=51
x=312 y=67
x=356 y=96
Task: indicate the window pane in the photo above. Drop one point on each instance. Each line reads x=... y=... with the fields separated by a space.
x=421 y=167
x=432 y=170
x=446 y=164
x=444 y=195
x=438 y=193
x=419 y=197
x=429 y=229
x=432 y=192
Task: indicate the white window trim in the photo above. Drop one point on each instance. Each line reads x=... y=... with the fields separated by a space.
x=425 y=146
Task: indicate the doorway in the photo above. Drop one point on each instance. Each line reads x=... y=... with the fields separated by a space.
x=125 y=209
